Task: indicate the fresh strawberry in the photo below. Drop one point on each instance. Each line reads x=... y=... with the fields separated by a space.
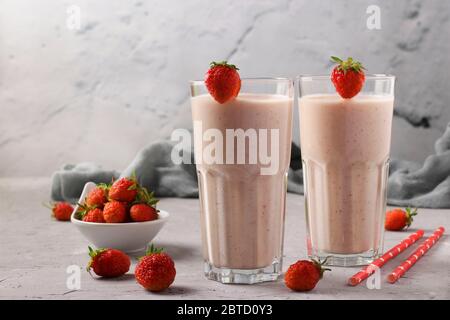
x=144 y=208
x=124 y=190
x=97 y=197
x=398 y=219
x=115 y=212
x=348 y=77
x=155 y=271
x=143 y=212
x=94 y=215
x=304 y=275
x=108 y=262
x=83 y=210
x=223 y=81
x=61 y=211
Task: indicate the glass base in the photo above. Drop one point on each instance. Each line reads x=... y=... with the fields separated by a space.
x=243 y=276
x=346 y=260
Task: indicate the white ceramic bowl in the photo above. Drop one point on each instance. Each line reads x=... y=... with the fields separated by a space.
x=128 y=237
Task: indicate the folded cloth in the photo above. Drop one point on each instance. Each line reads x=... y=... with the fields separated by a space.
x=409 y=183
x=156 y=171
x=426 y=186
x=68 y=183
x=152 y=165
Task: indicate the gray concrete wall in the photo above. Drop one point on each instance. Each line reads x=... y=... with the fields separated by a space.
x=102 y=92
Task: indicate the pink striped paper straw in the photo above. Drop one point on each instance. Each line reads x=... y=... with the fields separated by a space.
x=378 y=263
x=412 y=259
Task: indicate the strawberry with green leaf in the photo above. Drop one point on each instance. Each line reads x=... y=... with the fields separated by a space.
x=60 y=210
x=399 y=219
x=98 y=196
x=144 y=207
x=304 y=274
x=94 y=215
x=108 y=263
x=124 y=189
x=223 y=81
x=348 y=77
x=156 y=270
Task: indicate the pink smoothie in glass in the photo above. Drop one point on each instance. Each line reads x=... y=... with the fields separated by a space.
x=242 y=211
x=345 y=150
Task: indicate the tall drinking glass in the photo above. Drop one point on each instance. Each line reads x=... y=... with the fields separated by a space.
x=345 y=147
x=242 y=152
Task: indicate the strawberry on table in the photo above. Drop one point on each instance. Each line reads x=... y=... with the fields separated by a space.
x=304 y=275
x=348 y=77
x=61 y=210
x=155 y=271
x=223 y=81
x=108 y=263
x=399 y=219
x=115 y=212
x=124 y=190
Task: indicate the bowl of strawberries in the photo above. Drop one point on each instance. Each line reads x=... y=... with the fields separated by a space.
x=120 y=215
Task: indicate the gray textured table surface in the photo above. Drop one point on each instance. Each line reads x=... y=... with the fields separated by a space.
x=35 y=251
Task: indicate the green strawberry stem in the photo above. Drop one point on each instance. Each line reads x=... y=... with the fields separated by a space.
x=222 y=63
x=349 y=64
x=319 y=264
x=93 y=253
x=85 y=209
x=410 y=213
x=104 y=186
x=153 y=250
x=135 y=184
x=145 y=197
x=48 y=205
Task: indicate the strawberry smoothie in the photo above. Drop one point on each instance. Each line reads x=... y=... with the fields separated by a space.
x=242 y=210
x=345 y=151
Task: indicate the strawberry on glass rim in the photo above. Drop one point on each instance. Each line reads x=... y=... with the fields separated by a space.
x=223 y=81
x=348 y=77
